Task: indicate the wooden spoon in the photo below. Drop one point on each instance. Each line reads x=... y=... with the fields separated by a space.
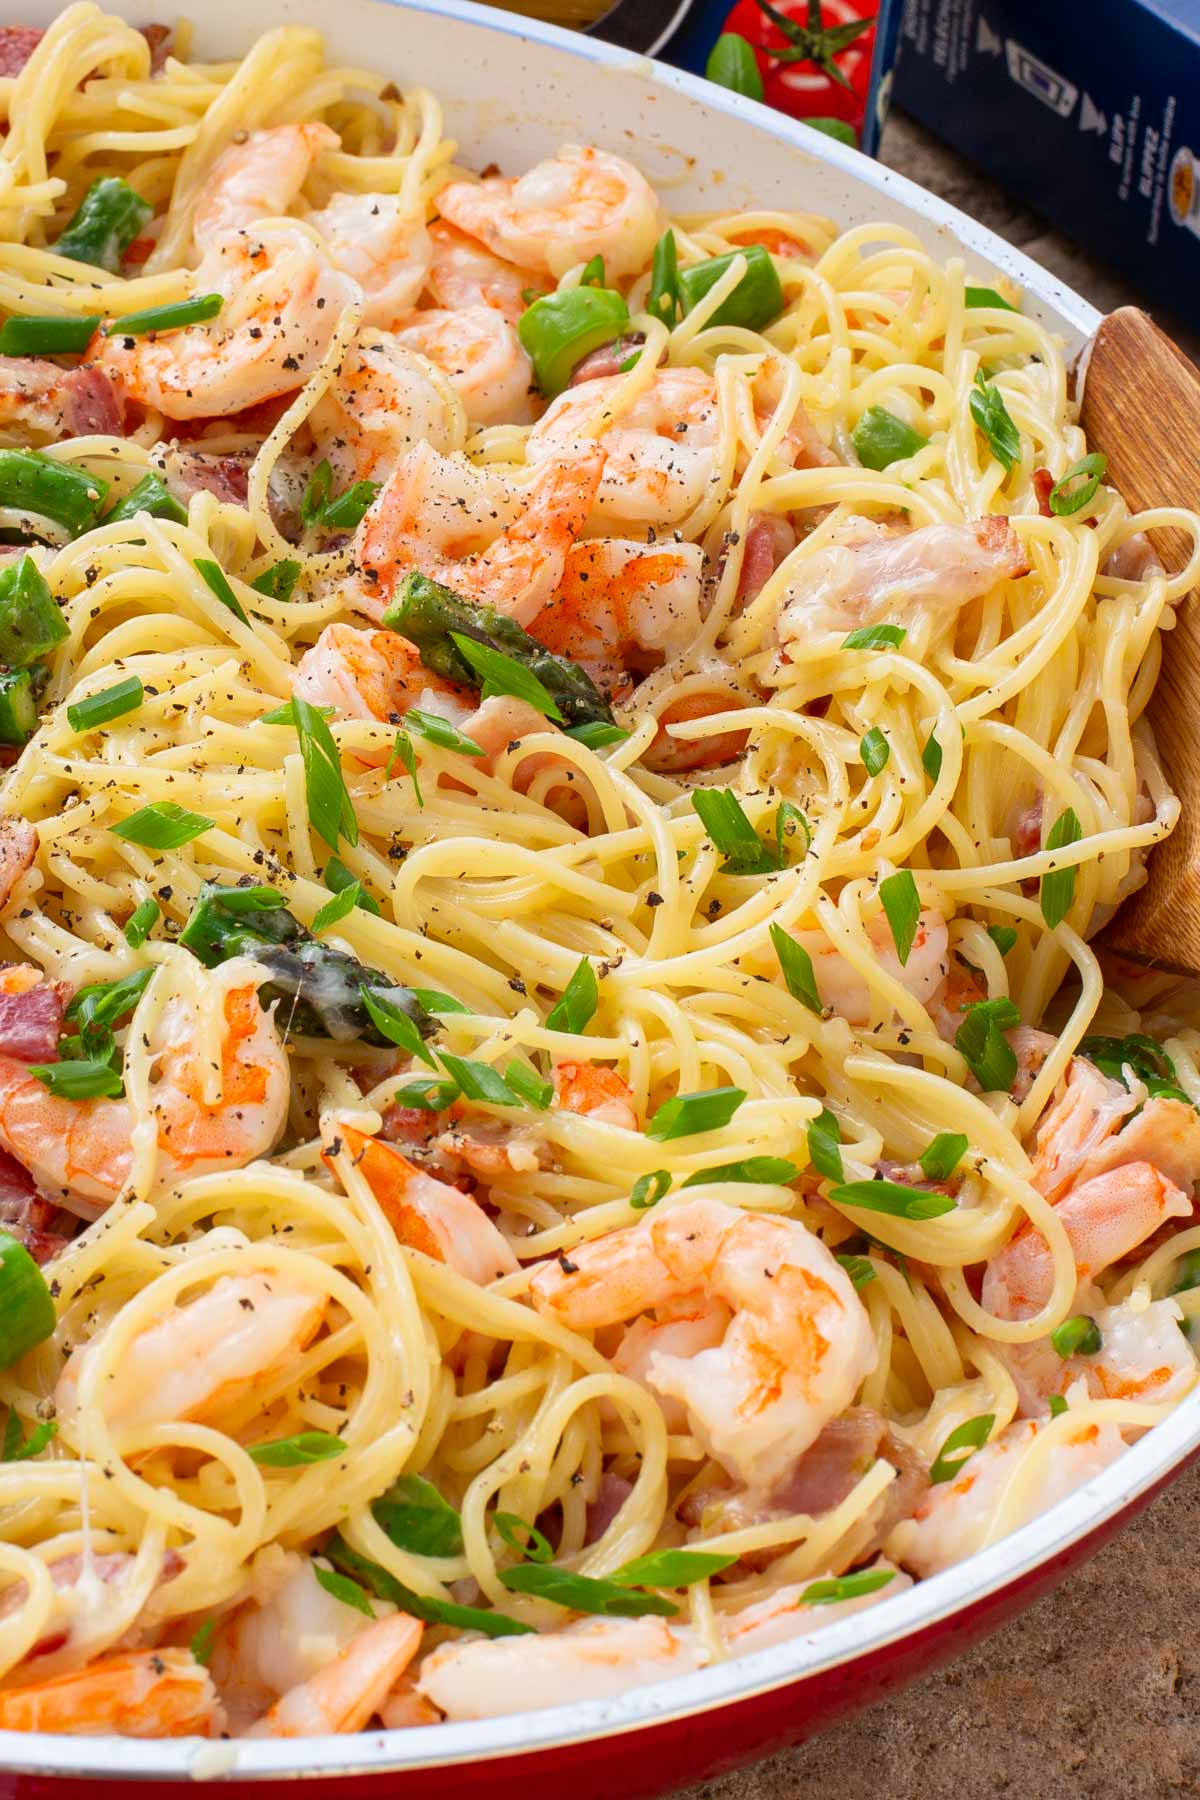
x=1140 y=405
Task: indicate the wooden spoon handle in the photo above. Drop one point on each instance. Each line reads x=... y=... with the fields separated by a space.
x=1141 y=406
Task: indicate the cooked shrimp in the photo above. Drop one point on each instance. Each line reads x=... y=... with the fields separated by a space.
x=621 y=606
x=91 y=1611
x=428 y=1214
x=383 y=400
x=681 y=1331
x=508 y=549
x=381 y=245
x=577 y=204
x=405 y=1707
x=258 y=178
x=137 y=1693
x=661 y=452
x=463 y=273
x=1142 y=1353
x=199 y=1358
x=1088 y=1131
x=670 y=755
x=481 y=354
x=83 y=1150
x=955 y=1518
x=875 y=572
x=593 y=1659
x=282 y=302
x=595 y=1092
x=798 y=1346
x=841 y=987
x=344 y=1695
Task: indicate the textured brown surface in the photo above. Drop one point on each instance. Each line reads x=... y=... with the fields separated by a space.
x=1094 y=1694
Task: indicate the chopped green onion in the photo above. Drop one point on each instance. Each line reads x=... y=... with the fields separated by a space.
x=33 y=483
x=479 y=1081
x=1066 y=497
x=980 y=1039
x=1057 y=1405
x=343 y=1589
x=731 y=832
x=26 y=1309
x=942 y=1155
x=173 y=317
x=419 y=1606
x=994 y=420
x=163 y=825
x=151 y=495
x=583 y=1593
x=141 y=923
x=592 y=272
x=294 y=1452
x=580 y=998
x=110 y=703
x=46 y=336
x=962 y=1443
x=441 y=732
x=665 y=300
x=101 y=1005
x=894 y=1198
x=338 y=877
x=835 y=128
x=1003 y=936
x=436 y=620
x=30 y=621
x=215 y=577
x=348 y=510
x=880 y=439
x=1077 y=1336
x=522 y=1537
x=832 y=1589
x=672 y=1568
x=797 y=968
x=417 y=1519
x=18 y=706
x=330 y=812
x=402 y=751
x=279 y=581
x=825 y=1145
x=343 y=902
x=987 y=296
x=902 y=905
x=1058 y=887
x=788 y=820
x=874 y=750
x=79 y=1079
x=875 y=637
x=860 y=1269
x=648 y=1190
x=110 y=216
x=773 y=1169
x=732 y=64
x=754 y=302
x=317 y=492
x=202 y=1642
x=1187 y=1273
x=595 y=734
x=529 y=1086
x=395 y=1024
x=560 y=329
x=931 y=758
x=689 y=1114
x=427 y=1095
x=435 y=1002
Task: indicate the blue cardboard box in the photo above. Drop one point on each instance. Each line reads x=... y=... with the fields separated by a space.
x=1089 y=112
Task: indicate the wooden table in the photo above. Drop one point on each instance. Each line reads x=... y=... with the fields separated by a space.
x=1094 y=1694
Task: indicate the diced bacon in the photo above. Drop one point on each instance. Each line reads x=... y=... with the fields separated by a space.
x=17 y=45
x=1043 y=483
x=913 y=1175
x=159 y=39
x=769 y=538
x=30 y=1023
x=41 y=403
x=607 y=359
x=18 y=847
x=25 y=1215
x=1027 y=830
x=1134 y=560
x=611 y=1496
x=191 y=472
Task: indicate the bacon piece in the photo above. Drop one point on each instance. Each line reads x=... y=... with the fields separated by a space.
x=1027 y=831
x=191 y=472
x=17 y=45
x=611 y=1496
x=41 y=403
x=31 y=1022
x=18 y=847
x=1134 y=560
x=159 y=39
x=769 y=538
x=1043 y=482
x=607 y=359
x=913 y=1175
x=25 y=1215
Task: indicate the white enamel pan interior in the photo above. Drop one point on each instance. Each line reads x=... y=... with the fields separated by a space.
x=513 y=90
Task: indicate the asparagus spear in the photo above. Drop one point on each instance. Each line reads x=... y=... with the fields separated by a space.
x=430 y=615
x=321 y=988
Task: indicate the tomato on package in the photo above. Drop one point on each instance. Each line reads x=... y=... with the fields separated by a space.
x=814 y=56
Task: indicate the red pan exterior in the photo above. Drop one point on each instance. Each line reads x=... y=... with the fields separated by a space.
x=653 y=1760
